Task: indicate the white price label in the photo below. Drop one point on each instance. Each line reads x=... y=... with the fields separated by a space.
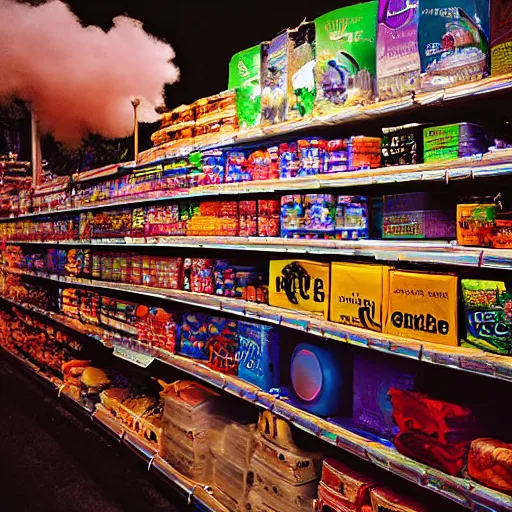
x=127 y=354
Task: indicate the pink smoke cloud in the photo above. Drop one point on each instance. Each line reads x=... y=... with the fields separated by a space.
x=81 y=79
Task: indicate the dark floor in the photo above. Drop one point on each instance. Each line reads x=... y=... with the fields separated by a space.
x=50 y=461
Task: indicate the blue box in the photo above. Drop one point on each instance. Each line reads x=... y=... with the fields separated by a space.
x=258 y=355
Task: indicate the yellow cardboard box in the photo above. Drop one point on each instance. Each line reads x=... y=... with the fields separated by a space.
x=423 y=306
x=359 y=295
x=300 y=285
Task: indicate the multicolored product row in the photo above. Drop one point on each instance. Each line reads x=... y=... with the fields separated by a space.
x=417 y=215
x=401 y=145
x=415 y=305
x=356 y=55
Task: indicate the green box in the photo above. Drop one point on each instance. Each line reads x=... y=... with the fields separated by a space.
x=346 y=55
x=244 y=76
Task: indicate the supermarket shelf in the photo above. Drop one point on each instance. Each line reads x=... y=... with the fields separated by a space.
x=441 y=172
x=470 y=360
x=344 y=115
x=464 y=492
x=435 y=252
x=198 y=495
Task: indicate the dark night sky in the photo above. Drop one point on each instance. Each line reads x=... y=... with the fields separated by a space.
x=204 y=34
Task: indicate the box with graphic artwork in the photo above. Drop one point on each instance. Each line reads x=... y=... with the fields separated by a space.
x=475 y=223
x=258 y=355
x=488 y=312
x=398 y=58
x=374 y=375
x=453 y=42
x=402 y=145
x=301 y=70
x=274 y=80
x=423 y=306
x=449 y=142
x=287 y=75
x=359 y=295
x=351 y=221
x=244 y=77
x=501 y=37
x=418 y=215
x=300 y=285
x=210 y=339
x=346 y=56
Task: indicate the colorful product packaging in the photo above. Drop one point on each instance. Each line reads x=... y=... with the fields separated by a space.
x=364 y=153
x=244 y=77
x=261 y=165
x=351 y=218
x=337 y=156
x=300 y=285
x=214 y=217
x=164 y=221
x=90 y=307
x=312 y=156
x=156 y=327
x=475 y=223
x=301 y=71
x=211 y=339
x=288 y=77
x=258 y=355
x=402 y=145
x=194 y=336
x=374 y=375
x=346 y=56
x=289 y=162
x=198 y=275
x=222 y=345
x=418 y=215
x=268 y=217
x=423 y=306
x=434 y=432
x=211 y=168
x=501 y=37
x=248 y=215
x=274 y=78
x=236 y=167
x=319 y=211
x=359 y=295
x=398 y=58
x=292 y=215
x=118 y=315
x=488 y=312
x=463 y=140
x=453 y=42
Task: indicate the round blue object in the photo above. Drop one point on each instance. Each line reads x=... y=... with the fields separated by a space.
x=317 y=379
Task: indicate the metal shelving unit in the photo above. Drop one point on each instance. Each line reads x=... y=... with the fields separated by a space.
x=199 y=496
x=467 y=493
x=471 y=360
x=430 y=252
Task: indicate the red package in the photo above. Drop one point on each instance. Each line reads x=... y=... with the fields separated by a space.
x=269 y=217
x=432 y=431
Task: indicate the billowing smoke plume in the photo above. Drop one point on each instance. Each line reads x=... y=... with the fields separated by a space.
x=78 y=79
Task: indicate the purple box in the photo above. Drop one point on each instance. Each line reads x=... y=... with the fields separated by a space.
x=398 y=58
x=418 y=215
x=374 y=374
